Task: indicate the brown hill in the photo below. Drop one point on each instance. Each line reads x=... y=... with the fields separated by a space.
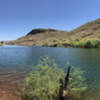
x=41 y=37
x=52 y=37
x=89 y=30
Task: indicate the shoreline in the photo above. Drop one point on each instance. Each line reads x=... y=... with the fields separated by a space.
x=49 y=46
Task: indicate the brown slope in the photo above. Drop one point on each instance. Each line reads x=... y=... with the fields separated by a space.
x=48 y=37
x=38 y=36
x=89 y=30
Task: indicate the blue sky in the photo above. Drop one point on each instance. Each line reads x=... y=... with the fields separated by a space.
x=18 y=17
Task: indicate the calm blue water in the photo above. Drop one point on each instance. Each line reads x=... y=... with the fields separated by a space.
x=16 y=62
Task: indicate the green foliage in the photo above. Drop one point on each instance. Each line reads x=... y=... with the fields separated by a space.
x=2 y=43
x=89 y=43
x=62 y=43
x=73 y=43
x=92 y=43
x=76 y=84
x=43 y=82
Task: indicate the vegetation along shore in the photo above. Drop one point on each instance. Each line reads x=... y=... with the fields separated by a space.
x=44 y=82
x=2 y=43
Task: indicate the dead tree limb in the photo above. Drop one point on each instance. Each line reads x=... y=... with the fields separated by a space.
x=67 y=78
x=64 y=85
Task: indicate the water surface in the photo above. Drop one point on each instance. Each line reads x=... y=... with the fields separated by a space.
x=16 y=62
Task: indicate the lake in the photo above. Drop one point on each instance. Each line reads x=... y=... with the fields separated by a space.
x=16 y=62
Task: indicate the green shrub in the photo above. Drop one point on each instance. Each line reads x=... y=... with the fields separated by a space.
x=73 y=43
x=76 y=84
x=2 y=43
x=43 y=82
x=89 y=43
x=92 y=43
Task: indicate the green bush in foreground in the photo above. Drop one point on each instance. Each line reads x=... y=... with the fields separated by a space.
x=43 y=82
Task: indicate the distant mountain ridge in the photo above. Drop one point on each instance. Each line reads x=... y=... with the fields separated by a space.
x=53 y=37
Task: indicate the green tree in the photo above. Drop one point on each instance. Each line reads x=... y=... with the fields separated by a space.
x=43 y=82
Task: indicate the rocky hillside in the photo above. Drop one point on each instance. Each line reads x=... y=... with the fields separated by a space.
x=89 y=30
x=41 y=37
x=52 y=37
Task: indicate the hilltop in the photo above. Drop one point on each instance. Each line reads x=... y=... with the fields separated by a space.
x=41 y=37
x=83 y=36
x=89 y=30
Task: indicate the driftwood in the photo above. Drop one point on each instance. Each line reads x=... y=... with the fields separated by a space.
x=64 y=85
